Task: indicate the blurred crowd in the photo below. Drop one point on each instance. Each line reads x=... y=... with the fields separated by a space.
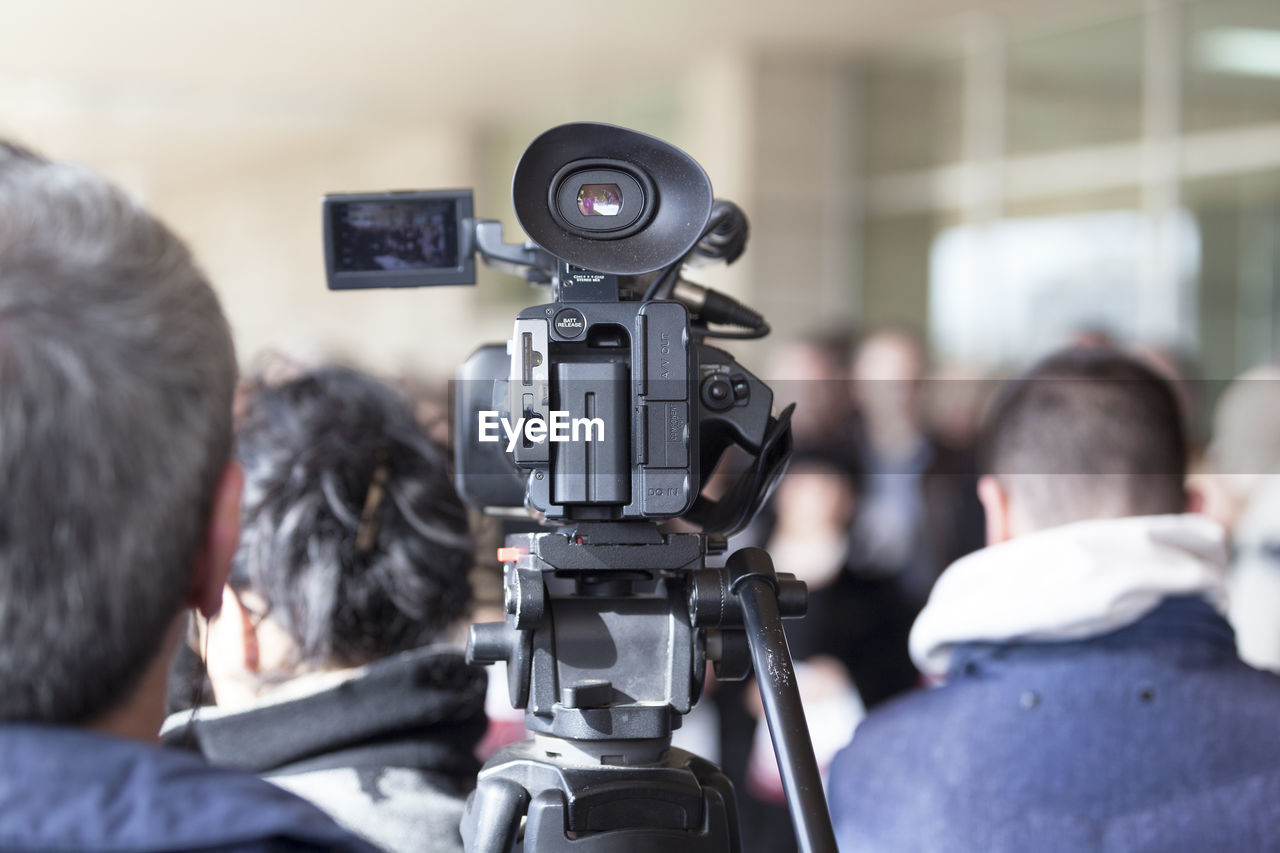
x=282 y=565
x=880 y=497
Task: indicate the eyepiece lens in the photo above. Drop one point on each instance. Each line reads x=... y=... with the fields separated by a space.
x=599 y=200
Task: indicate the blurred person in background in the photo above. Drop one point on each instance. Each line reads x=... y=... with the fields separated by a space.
x=1091 y=336
x=330 y=661
x=813 y=372
x=120 y=514
x=857 y=620
x=850 y=648
x=952 y=403
x=1241 y=485
x=918 y=509
x=428 y=396
x=1093 y=695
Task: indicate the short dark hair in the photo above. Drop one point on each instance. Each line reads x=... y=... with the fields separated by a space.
x=835 y=343
x=1088 y=433
x=353 y=532
x=116 y=377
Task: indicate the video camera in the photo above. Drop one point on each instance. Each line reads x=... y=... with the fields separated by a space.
x=606 y=400
x=606 y=413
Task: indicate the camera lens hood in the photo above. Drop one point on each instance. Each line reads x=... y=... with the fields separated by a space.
x=667 y=198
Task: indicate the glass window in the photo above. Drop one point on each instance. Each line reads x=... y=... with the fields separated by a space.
x=1231 y=63
x=896 y=268
x=1073 y=88
x=1239 y=276
x=914 y=110
x=1120 y=198
x=1050 y=271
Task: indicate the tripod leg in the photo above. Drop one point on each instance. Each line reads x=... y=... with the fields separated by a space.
x=493 y=816
x=755 y=584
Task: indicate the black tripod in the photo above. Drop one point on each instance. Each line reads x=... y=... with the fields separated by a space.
x=608 y=630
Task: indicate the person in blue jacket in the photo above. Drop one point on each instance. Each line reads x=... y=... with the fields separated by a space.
x=119 y=514
x=1091 y=697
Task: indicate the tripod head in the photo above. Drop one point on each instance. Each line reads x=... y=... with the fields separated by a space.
x=609 y=629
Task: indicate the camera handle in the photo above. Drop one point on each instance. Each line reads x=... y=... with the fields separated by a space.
x=524 y=260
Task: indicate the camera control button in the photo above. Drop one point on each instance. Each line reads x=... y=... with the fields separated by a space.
x=717 y=393
x=570 y=323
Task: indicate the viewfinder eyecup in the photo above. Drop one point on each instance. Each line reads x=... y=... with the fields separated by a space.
x=609 y=199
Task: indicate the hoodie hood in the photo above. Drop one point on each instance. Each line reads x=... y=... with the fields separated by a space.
x=422 y=708
x=1069 y=583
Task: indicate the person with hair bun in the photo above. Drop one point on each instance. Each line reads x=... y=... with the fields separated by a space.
x=330 y=662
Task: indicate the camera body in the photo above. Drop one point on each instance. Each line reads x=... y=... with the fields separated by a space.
x=627 y=411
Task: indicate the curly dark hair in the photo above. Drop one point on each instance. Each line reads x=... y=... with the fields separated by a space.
x=353 y=533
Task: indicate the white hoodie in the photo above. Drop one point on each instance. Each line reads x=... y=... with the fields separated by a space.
x=1070 y=582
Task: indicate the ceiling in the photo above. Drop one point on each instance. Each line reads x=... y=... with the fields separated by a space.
x=327 y=62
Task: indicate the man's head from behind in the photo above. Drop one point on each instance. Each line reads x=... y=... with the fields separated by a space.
x=116 y=377
x=1084 y=434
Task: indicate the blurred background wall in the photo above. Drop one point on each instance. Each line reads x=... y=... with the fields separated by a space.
x=999 y=174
